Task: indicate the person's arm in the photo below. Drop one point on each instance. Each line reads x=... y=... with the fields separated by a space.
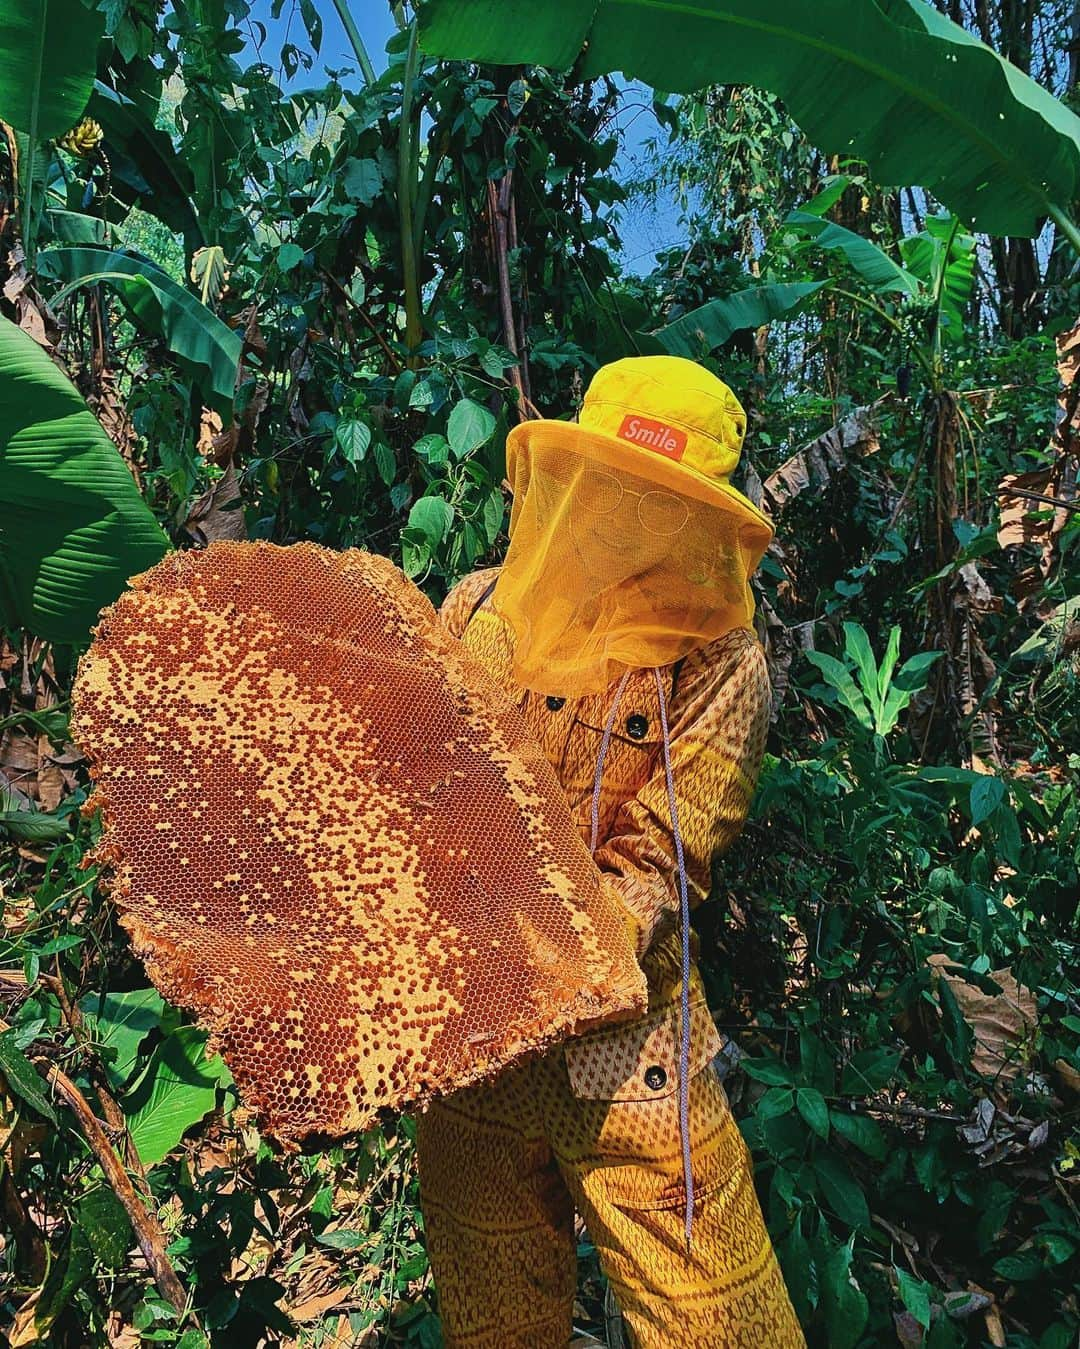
x=464 y=598
x=718 y=723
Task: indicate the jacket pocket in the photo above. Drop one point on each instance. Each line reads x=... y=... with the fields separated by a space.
x=622 y=1135
x=639 y=1060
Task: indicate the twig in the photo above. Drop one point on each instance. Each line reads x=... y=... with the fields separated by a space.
x=902 y=1111
x=394 y=360
x=148 y=1230
x=114 y=1116
x=1038 y=496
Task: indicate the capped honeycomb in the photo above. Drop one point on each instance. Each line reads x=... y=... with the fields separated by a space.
x=333 y=839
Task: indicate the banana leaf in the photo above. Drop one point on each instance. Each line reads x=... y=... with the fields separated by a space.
x=942 y=257
x=891 y=82
x=146 y=170
x=709 y=326
x=201 y=344
x=49 y=52
x=873 y=264
x=73 y=526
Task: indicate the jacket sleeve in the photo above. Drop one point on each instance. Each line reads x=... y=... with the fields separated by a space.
x=463 y=599
x=717 y=722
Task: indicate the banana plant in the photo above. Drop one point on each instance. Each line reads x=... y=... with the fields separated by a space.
x=891 y=82
x=202 y=345
x=711 y=325
x=874 y=695
x=50 y=50
x=935 y=281
x=74 y=525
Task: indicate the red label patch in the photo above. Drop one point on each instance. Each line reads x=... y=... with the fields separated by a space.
x=652 y=435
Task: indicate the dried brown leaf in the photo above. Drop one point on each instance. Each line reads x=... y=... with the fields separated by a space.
x=1002 y=1023
x=314 y=1307
x=822 y=458
x=214 y=515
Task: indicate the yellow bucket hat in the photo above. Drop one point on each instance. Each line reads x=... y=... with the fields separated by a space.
x=661 y=417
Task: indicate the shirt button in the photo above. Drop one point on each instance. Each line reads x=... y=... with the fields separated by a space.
x=554 y=703
x=637 y=726
x=655 y=1077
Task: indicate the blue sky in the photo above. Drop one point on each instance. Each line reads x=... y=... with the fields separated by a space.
x=644 y=229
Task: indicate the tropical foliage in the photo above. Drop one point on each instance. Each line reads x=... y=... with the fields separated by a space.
x=252 y=289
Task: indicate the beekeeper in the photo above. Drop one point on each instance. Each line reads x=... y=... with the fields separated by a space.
x=620 y=623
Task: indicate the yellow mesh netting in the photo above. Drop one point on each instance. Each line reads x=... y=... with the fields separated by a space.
x=333 y=838
x=618 y=559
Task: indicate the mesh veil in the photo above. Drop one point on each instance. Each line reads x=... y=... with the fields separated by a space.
x=617 y=560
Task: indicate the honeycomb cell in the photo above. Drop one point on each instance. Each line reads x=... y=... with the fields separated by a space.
x=381 y=895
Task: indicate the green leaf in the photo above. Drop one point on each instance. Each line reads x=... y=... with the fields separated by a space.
x=104 y=1220
x=289 y=256
x=121 y=1022
x=468 y=427
x=192 y=1339
x=868 y=261
x=858 y=650
x=353 y=438
x=812 y=1108
x=843 y=1302
x=987 y=793
x=887 y=666
x=842 y=1191
x=47 y=71
x=1019 y=1268
x=74 y=526
x=178 y=1089
x=35 y=826
x=863 y=1132
x=710 y=326
x=362 y=180
x=344 y=1239
x=23 y=1078
x=893 y=83
x=915 y=1295
x=816 y=1066
x=776 y=1101
x=493 y=514
x=833 y=188
x=201 y=344
x=800 y=1273
x=772 y=1071
x=433 y=449
x=868 y=1070
x=146 y=169
x=384 y=461
x=943 y=258
x=838 y=677
x=912 y=676
x=432 y=516
x=71 y=227
x=64 y=1278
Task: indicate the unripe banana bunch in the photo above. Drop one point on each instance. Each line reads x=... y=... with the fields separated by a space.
x=83 y=139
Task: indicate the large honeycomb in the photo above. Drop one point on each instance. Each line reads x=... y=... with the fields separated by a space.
x=332 y=837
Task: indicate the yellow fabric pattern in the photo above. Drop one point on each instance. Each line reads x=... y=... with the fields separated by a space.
x=629 y=548
x=503 y=1169
x=594 y=1125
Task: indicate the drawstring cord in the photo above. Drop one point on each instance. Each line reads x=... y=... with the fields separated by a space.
x=684 y=1011
x=684 y=920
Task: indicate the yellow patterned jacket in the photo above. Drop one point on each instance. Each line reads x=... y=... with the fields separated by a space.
x=718 y=711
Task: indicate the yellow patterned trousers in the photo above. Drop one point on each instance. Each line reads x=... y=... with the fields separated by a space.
x=503 y=1167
